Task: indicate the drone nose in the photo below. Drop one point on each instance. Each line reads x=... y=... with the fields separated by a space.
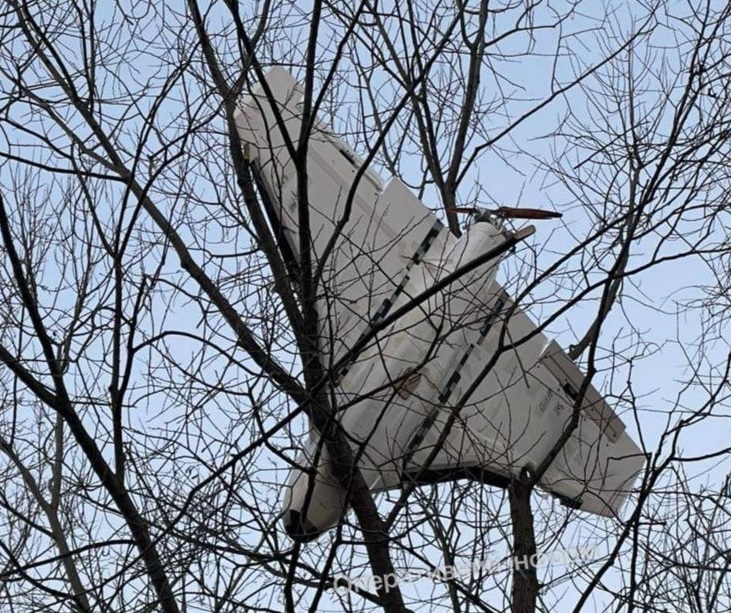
x=299 y=528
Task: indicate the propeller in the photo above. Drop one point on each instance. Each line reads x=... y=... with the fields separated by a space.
x=509 y=212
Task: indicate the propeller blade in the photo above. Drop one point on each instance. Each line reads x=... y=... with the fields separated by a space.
x=516 y=213
x=510 y=212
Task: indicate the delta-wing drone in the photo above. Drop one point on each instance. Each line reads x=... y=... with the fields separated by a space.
x=415 y=330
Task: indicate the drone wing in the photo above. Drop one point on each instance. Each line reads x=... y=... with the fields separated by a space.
x=523 y=391
x=364 y=237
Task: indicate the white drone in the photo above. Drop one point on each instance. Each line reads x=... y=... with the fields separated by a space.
x=464 y=349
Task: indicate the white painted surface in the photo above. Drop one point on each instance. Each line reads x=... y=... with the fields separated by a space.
x=519 y=406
